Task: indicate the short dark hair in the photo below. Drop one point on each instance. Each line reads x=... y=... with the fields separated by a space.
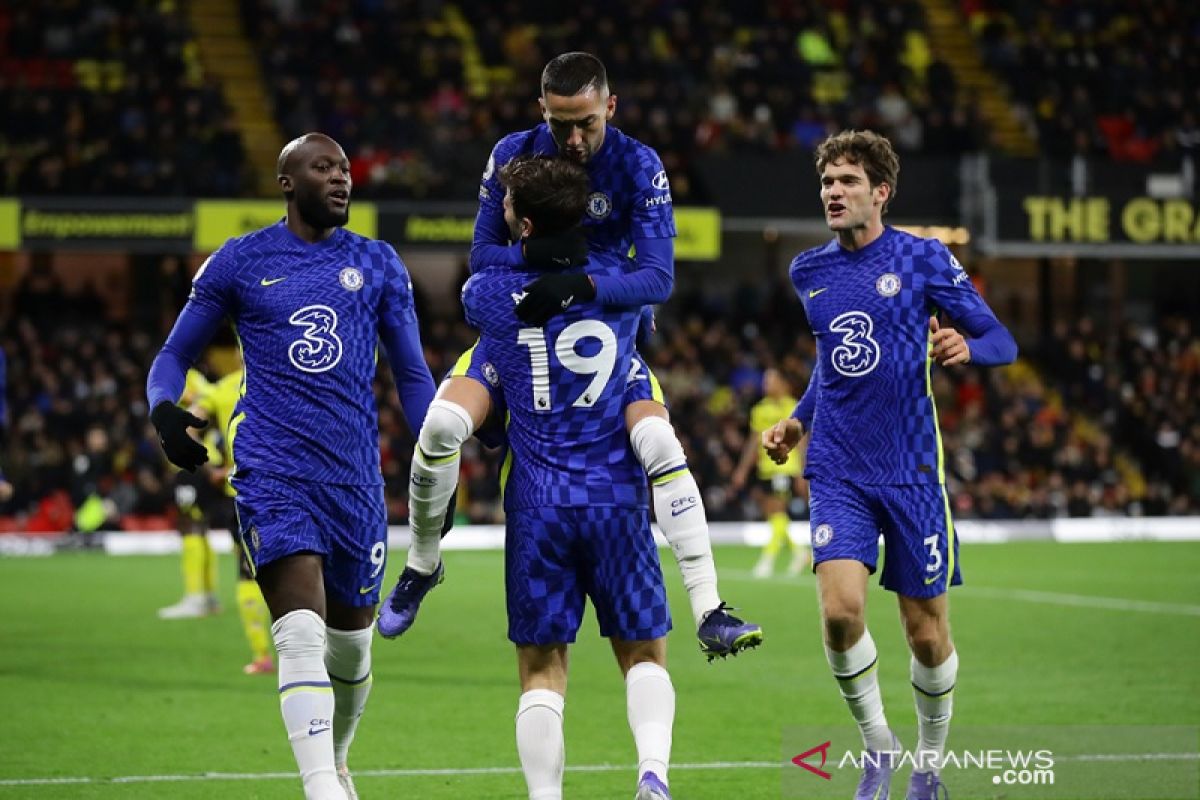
x=570 y=74
x=551 y=191
x=868 y=149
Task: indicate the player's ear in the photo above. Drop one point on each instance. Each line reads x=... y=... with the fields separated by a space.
x=883 y=193
x=526 y=227
x=610 y=107
x=542 y=107
x=285 y=182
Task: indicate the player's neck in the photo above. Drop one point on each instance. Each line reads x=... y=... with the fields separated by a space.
x=857 y=238
x=308 y=233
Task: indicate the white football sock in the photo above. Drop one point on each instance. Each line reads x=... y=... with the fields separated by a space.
x=433 y=479
x=933 y=690
x=857 y=676
x=679 y=509
x=650 y=705
x=540 y=742
x=348 y=661
x=306 y=701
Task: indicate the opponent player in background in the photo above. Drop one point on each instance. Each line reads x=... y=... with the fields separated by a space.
x=577 y=512
x=310 y=301
x=216 y=403
x=875 y=464
x=629 y=206
x=194 y=496
x=776 y=482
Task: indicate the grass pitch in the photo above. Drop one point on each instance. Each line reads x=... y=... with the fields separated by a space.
x=102 y=695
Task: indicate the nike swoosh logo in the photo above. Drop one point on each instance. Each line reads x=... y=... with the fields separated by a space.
x=315 y=731
x=568 y=302
x=928 y=581
x=272 y=281
x=368 y=589
x=814 y=292
x=676 y=512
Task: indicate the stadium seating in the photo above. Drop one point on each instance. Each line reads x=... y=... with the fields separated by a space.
x=108 y=98
x=1097 y=79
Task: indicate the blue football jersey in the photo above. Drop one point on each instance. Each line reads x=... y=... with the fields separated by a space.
x=564 y=386
x=875 y=420
x=630 y=197
x=308 y=319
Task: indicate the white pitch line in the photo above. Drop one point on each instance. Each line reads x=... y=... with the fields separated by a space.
x=1025 y=595
x=470 y=771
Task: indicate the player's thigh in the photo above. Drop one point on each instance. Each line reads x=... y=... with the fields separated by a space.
x=545 y=597
x=542 y=667
x=631 y=653
x=354 y=520
x=921 y=550
x=623 y=575
x=643 y=394
x=294 y=582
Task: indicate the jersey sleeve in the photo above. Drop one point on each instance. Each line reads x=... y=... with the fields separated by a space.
x=211 y=300
x=402 y=340
x=653 y=215
x=949 y=287
x=490 y=239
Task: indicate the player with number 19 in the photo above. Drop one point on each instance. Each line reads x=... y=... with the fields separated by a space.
x=875 y=464
x=310 y=301
x=575 y=496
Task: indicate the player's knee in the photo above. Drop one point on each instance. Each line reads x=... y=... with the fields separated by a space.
x=656 y=446
x=447 y=425
x=299 y=634
x=928 y=640
x=844 y=625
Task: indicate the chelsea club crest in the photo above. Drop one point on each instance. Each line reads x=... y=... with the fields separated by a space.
x=888 y=284
x=598 y=205
x=351 y=279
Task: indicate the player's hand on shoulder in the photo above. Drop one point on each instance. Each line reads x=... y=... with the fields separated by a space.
x=552 y=294
x=949 y=347
x=560 y=251
x=172 y=424
x=781 y=438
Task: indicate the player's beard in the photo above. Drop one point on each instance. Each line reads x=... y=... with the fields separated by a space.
x=315 y=212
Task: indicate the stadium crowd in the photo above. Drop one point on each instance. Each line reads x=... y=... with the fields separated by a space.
x=1098 y=79
x=1090 y=424
x=389 y=80
x=108 y=97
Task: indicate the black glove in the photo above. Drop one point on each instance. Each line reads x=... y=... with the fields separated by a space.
x=448 y=522
x=172 y=423
x=553 y=294
x=562 y=250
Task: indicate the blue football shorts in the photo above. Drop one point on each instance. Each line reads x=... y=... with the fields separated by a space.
x=556 y=557
x=346 y=525
x=920 y=548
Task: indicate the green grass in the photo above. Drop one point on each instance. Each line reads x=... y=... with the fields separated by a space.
x=94 y=685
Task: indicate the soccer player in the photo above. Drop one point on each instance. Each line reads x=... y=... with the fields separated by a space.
x=198 y=560
x=310 y=301
x=875 y=465
x=629 y=206
x=577 y=512
x=217 y=402
x=775 y=481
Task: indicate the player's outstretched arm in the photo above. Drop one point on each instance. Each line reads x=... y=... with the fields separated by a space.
x=650 y=284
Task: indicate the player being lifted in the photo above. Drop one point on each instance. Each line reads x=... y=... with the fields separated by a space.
x=310 y=301
x=629 y=206
x=875 y=465
x=575 y=499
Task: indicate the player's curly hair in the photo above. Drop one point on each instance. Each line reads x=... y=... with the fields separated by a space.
x=867 y=149
x=550 y=190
